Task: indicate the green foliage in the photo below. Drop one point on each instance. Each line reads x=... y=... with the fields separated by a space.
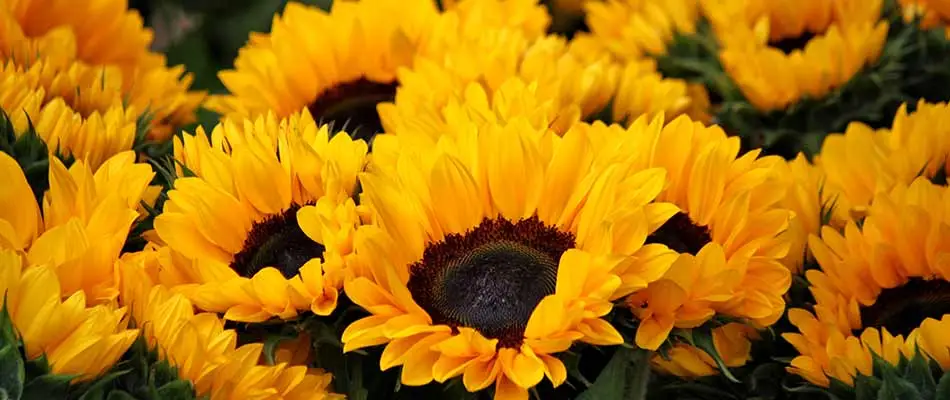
x=626 y=376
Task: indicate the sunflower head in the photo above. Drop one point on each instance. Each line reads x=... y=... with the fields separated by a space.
x=75 y=339
x=880 y=290
x=67 y=39
x=722 y=232
x=776 y=52
x=261 y=223
x=519 y=267
x=85 y=221
x=201 y=349
x=338 y=64
x=631 y=29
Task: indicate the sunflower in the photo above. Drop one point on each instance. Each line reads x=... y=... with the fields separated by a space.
x=931 y=13
x=337 y=64
x=633 y=29
x=494 y=75
x=62 y=34
x=863 y=161
x=100 y=128
x=85 y=221
x=882 y=288
x=813 y=203
x=726 y=237
x=75 y=340
x=203 y=352
x=527 y=16
x=732 y=341
x=780 y=52
x=540 y=237
x=260 y=220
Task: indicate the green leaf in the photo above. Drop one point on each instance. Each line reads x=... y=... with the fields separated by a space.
x=866 y=387
x=177 y=390
x=47 y=387
x=896 y=388
x=702 y=339
x=12 y=373
x=120 y=395
x=943 y=387
x=625 y=376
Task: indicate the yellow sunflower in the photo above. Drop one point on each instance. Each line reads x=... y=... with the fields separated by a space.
x=882 y=288
x=85 y=221
x=76 y=340
x=780 y=52
x=633 y=29
x=202 y=350
x=77 y=111
x=530 y=17
x=63 y=34
x=494 y=75
x=496 y=249
x=862 y=161
x=727 y=237
x=932 y=13
x=260 y=222
x=733 y=342
x=337 y=64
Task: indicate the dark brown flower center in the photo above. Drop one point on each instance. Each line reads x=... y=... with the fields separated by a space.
x=902 y=309
x=490 y=278
x=277 y=241
x=680 y=234
x=351 y=107
x=788 y=45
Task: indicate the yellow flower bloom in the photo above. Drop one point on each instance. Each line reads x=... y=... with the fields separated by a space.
x=726 y=236
x=86 y=219
x=642 y=91
x=862 y=162
x=263 y=227
x=528 y=16
x=778 y=52
x=77 y=111
x=337 y=64
x=75 y=339
x=732 y=342
x=632 y=29
x=809 y=197
x=932 y=13
x=495 y=249
x=62 y=34
x=202 y=350
x=493 y=75
x=887 y=278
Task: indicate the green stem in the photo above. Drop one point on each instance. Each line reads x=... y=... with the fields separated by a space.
x=640 y=374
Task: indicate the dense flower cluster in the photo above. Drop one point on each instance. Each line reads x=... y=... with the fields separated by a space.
x=452 y=190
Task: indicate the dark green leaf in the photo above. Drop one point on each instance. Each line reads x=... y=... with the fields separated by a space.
x=177 y=390
x=47 y=387
x=12 y=372
x=120 y=395
x=626 y=376
x=943 y=387
x=866 y=387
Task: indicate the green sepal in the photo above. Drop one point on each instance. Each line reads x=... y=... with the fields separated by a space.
x=626 y=376
x=702 y=339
